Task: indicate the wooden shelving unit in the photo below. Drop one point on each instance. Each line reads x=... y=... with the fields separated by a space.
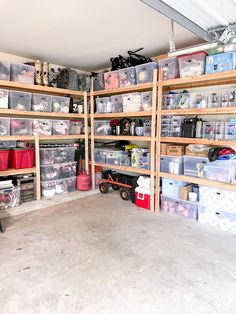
x=205 y=111
x=43 y=115
x=200 y=141
x=150 y=139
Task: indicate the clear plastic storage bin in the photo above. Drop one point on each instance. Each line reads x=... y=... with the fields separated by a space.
x=198 y=100
x=170 y=68
x=41 y=127
x=54 y=187
x=171 y=187
x=98 y=82
x=127 y=76
x=102 y=127
x=208 y=130
x=183 y=101
x=22 y=73
x=60 y=104
x=146 y=101
x=100 y=155
x=103 y=105
x=220 y=62
x=20 y=100
x=9 y=198
x=60 y=127
x=4 y=126
x=113 y=157
x=175 y=130
x=132 y=102
x=221 y=170
x=214 y=99
x=192 y=64
x=195 y=166
x=171 y=164
x=21 y=126
x=228 y=98
x=75 y=127
x=53 y=155
x=183 y=208
x=230 y=130
x=4 y=70
x=3 y=99
x=116 y=103
x=170 y=101
x=41 y=102
x=219 y=130
x=125 y=159
x=111 y=79
x=144 y=72
x=58 y=171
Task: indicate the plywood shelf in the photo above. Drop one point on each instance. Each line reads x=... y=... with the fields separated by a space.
x=123 y=114
x=43 y=137
x=126 y=89
x=195 y=180
x=205 y=111
x=200 y=141
x=123 y=168
x=125 y=138
x=11 y=172
x=39 y=89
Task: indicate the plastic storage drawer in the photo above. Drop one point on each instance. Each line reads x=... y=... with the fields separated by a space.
x=228 y=98
x=3 y=99
x=21 y=126
x=214 y=99
x=170 y=68
x=22 y=73
x=4 y=71
x=230 y=130
x=9 y=198
x=192 y=64
x=127 y=76
x=100 y=155
x=171 y=164
x=220 y=62
x=102 y=127
x=51 y=188
x=144 y=72
x=21 y=158
x=42 y=102
x=147 y=101
x=50 y=156
x=171 y=187
x=41 y=127
x=58 y=171
x=60 y=104
x=60 y=127
x=132 y=102
x=116 y=103
x=170 y=101
x=221 y=170
x=183 y=208
x=195 y=166
x=103 y=105
x=98 y=82
x=20 y=101
x=4 y=126
x=111 y=80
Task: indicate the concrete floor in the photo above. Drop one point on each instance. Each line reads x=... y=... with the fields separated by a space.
x=102 y=255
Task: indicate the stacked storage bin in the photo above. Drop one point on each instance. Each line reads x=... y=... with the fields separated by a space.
x=58 y=169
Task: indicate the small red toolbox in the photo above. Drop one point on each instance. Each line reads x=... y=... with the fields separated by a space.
x=142 y=197
x=22 y=158
x=4 y=159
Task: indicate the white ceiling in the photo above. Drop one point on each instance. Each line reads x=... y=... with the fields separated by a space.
x=84 y=34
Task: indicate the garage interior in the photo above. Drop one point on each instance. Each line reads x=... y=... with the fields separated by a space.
x=118 y=157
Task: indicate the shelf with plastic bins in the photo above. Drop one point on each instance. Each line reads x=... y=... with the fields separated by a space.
x=11 y=172
x=203 y=111
x=195 y=180
x=123 y=115
x=123 y=137
x=123 y=168
x=200 y=141
x=126 y=89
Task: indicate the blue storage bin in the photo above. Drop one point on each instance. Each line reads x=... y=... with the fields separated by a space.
x=220 y=62
x=171 y=187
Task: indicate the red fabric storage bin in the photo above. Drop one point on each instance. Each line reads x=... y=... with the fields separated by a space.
x=4 y=159
x=22 y=158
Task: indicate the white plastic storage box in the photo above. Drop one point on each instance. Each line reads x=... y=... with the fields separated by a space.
x=214 y=99
x=217 y=218
x=21 y=126
x=208 y=130
x=3 y=99
x=103 y=104
x=113 y=157
x=172 y=164
x=171 y=187
x=111 y=79
x=98 y=82
x=217 y=198
x=146 y=101
x=170 y=101
x=116 y=103
x=75 y=127
x=192 y=64
x=198 y=100
x=41 y=127
x=102 y=127
x=4 y=70
x=41 y=102
x=228 y=98
x=221 y=170
x=100 y=155
x=219 y=130
x=20 y=100
x=230 y=130
x=127 y=76
x=60 y=127
x=195 y=166
x=144 y=72
x=51 y=188
x=142 y=197
x=4 y=126
x=132 y=102
x=22 y=73
x=183 y=208
x=53 y=155
x=170 y=68
x=220 y=62
x=58 y=171
x=60 y=104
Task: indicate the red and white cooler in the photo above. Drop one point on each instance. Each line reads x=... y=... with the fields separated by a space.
x=142 y=197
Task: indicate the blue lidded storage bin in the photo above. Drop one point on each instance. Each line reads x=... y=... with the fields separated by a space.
x=170 y=187
x=220 y=62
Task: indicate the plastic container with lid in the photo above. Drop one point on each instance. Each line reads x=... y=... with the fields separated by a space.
x=60 y=104
x=219 y=130
x=221 y=170
x=60 y=127
x=3 y=99
x=146 y=101
x=183 y=101
x=4 y=159
x=54 y=187
x=75 y=127
x=102 y=127
x=21 y=126
x=41 y=127
x=41 y=102
x=113 y=157
x=132 y=102
x=186 y=209
x=228 y=98
x=9 y=198
x=214 y=98
x=230 y=130
x=170 y=101
x=58 y=171
x=208 y=130
x=171 y=164
x=116 y=103
x=98 y=82
x=4 y=70
x=171 y=187
x=127 y=76
x=22 y=73
x=111 y=79
x=144 y=72
x=20 y=100
x=4 y=126
x=21 y=158
x=225 y=61
x=170 y=68
x=52 y=155
x=103 y=105
x=192 y=64
x=100 y=155
x=195 y=166
x=198 y=99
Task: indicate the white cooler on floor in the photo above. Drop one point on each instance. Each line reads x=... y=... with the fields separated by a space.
x=142 y=197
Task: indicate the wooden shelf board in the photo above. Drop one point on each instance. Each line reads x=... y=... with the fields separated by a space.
x=125 y=138
x=126 y=89
x=200 y=141
x=17 y=138
x=48 y=137
x=11 y=172
x=122 y=114
x=195 y=180
x=39 y=88
x=123 y=168
x=205 y=111
x=228 y=77
x=52 y=115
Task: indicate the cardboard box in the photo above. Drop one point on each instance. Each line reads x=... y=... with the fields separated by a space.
x=188 y=152
x=184 y=190
x=164 y=148
x=176 y=150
